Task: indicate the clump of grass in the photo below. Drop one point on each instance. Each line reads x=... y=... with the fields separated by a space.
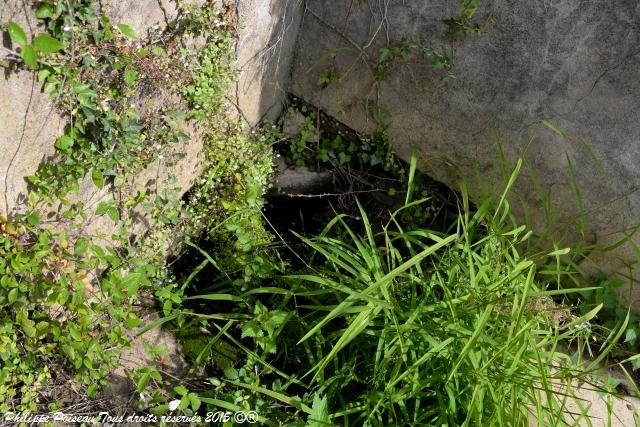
x=409 y=327
x=435 y=329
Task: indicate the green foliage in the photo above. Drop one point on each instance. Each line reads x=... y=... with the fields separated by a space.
x=31 y=53
x=227 y=198
x=206 y=92
x=441 y=60
x=58 y=319
x=107 y=137
x=54 y=317
x=404 y=326
x=361 y=152
x=17 y=34
x=458 y=28
x=327 y=76
x=389 y=55
x=613 y=313
x=407 y=326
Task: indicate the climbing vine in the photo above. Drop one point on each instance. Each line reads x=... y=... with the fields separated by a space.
x=69 y=303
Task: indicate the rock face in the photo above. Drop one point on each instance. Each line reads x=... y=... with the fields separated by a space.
x=574 y=63
x=29 y=122
x=268 y=33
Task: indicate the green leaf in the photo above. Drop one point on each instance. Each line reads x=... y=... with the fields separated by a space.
x=47 y=44
x=113 y=214
x=160 y=409
x=43 y=74
x=319 y=412
x=181 y=390
x=133 y=281
x=250 y=329
x=13 y=295
x=64 y=143
x=555 y=129
x=132 y=323
x=97 y=177
x=29 y=56
x=231 y=373
x=44 y=11
x=195 y=401
x=81 y=246
x=16 y=33
x=184 y=403
x=385 y=53
x=33 y=218
x=28 y=328
x=291 y=401
x=28 y=325
x=130 y=76
x=216 y=297
x=103 y=207
x=91 y=390
x=143 y=381
x=75 y=334
x=127 y=31
x=560 y=252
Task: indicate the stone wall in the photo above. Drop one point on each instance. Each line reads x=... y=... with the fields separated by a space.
x=30 y=123
x=267 y=37
x=573 y=63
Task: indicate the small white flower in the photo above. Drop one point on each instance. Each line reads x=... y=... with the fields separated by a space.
x=173 y=405
x=66 y=28
x=161 y=157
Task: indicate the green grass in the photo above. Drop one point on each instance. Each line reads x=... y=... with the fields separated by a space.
x=409 y=327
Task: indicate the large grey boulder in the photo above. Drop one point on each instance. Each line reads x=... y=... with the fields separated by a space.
x=573 y=63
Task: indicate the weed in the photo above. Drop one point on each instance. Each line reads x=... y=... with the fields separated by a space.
x=389 y=55
x=68 y=303
x=338 y=148
x=406 y=326
x=54 y=316
x=458 y=28
x=327 y=76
